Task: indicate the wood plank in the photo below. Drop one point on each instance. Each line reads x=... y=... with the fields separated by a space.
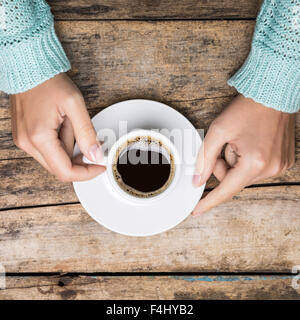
x=164 y=61
x=24 y=182
x=23 y=178
x=196 y=60
x=154 y=9
x=200 y=112
x=149 y=288
x=259 y=230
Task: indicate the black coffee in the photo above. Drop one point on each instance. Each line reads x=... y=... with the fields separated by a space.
x=143 y=167
x=145 y=171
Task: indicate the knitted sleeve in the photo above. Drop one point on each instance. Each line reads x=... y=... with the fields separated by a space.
x=30 y=52
x=271 y=73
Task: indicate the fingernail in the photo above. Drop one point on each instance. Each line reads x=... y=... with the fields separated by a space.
x=196 y=180
x=95 y=153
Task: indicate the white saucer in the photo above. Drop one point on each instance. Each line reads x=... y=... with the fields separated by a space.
x=127 y=218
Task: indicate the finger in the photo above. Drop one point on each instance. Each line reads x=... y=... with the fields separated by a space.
x=231 y=155
x=32 y=151
x=24 y=144
x=235 y=180
x=79 y=161
x=66 y=135
x=39 y=158
x=21 y=140
x=208 y=154
x=222 y=166
x=220 y=169
x=59 y=162
x=84 y=131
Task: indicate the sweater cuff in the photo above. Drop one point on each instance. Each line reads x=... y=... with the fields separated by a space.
x=26 y=64
x=269 y=80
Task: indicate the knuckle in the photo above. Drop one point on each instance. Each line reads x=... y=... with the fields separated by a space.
x=260 y=163
x=277 y=167
x=257 y=160
x=86 y=128
x=73 y=99
x=216 y=128
x=65 y=176
x=20 y=141
x=36 y=136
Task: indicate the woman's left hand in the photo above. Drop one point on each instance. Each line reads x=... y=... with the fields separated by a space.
x=260 y=143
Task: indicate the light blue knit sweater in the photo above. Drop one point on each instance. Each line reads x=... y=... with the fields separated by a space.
x=30 y=52
x=271 y=73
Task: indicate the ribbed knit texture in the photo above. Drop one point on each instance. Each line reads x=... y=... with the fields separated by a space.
x=271 y=73
x=30 y=52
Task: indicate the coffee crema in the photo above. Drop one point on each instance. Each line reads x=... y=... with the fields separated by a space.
x=143 y=167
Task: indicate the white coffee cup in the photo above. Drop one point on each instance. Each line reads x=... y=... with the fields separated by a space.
x=109 y=157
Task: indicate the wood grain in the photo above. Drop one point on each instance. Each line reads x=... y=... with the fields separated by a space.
x=24 y=182
x=200 y=112
x=259 y=230
x=154 y=9
x=183 y=63
x=23 y=177
x=149 y=288
x=163 y=60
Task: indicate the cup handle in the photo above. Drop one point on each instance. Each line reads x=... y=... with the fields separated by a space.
x=102 y=163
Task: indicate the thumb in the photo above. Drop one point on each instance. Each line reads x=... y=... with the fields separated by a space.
x=84 y=130
x=235 y=180
x=207 y=157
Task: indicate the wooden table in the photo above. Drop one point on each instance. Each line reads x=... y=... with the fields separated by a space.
x=182 y=54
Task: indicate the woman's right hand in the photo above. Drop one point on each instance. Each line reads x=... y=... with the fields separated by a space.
x=45 y=122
